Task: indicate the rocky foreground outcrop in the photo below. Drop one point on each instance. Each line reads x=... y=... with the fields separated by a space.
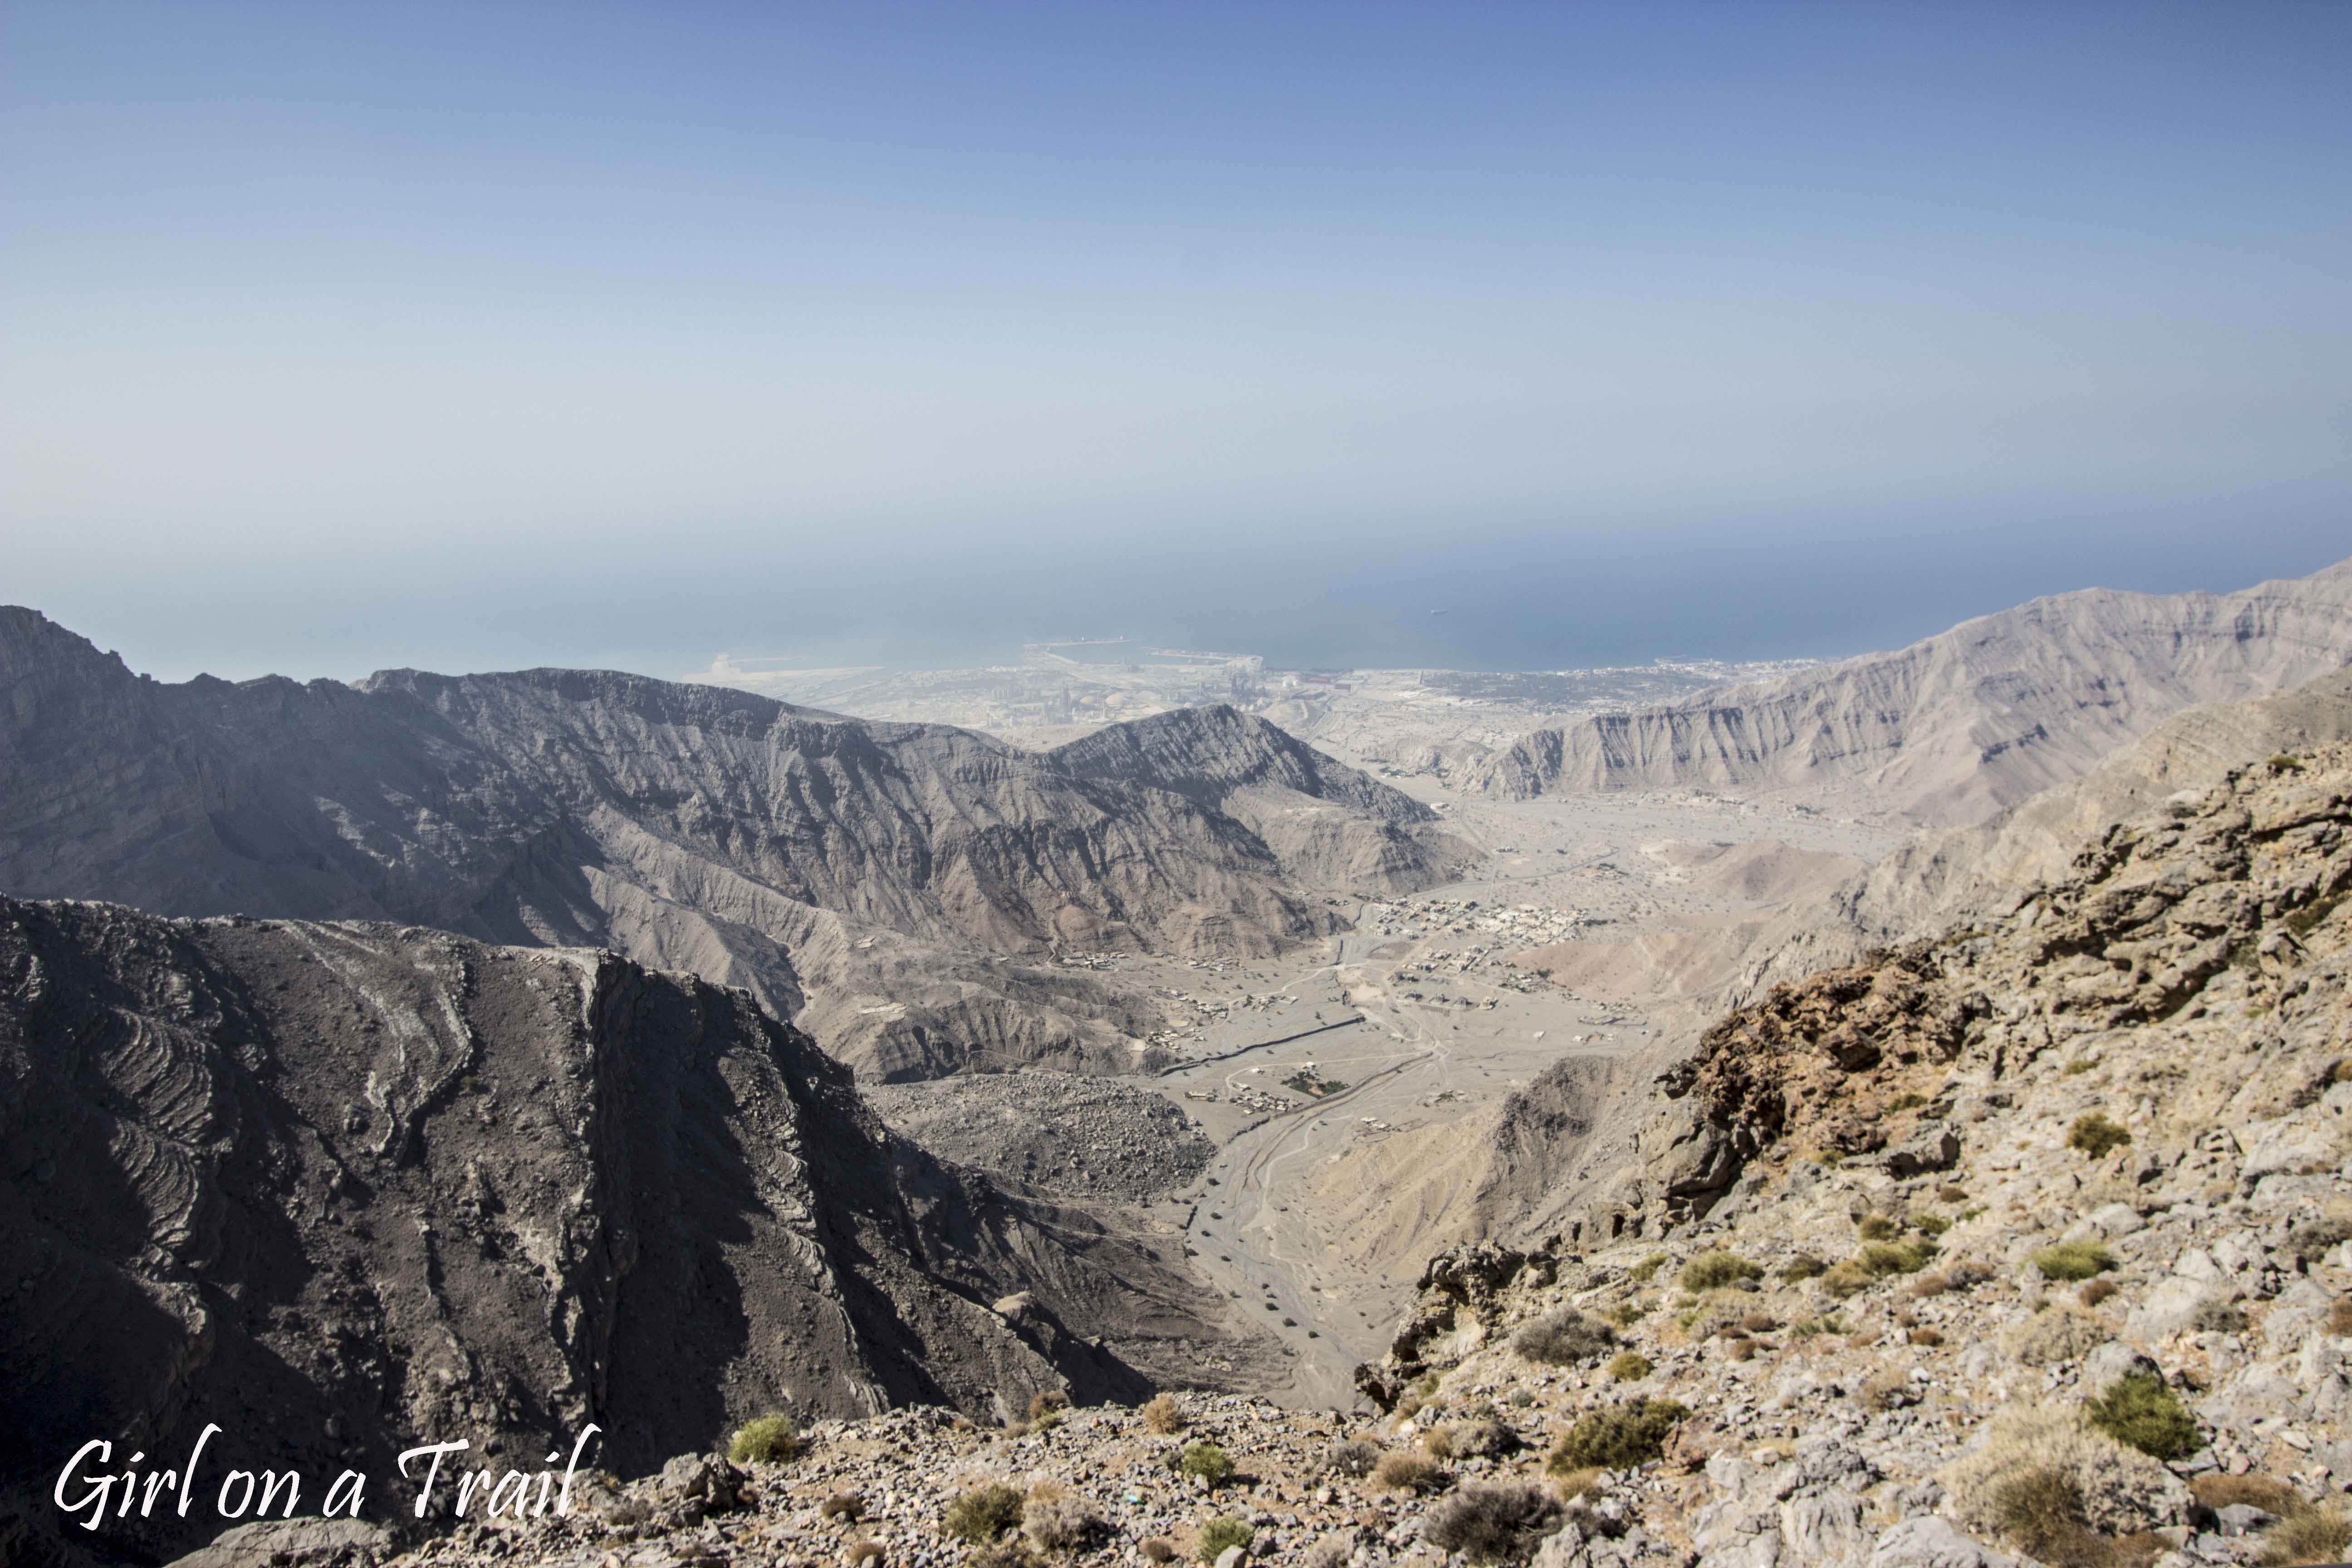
x=1983 y=716
x=2030 y=1244
x=866 y=880
x=341 y=1188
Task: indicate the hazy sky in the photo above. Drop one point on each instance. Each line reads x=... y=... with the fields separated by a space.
x=335 y=336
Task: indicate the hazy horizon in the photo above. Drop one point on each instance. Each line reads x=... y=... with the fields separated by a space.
x=467 y=338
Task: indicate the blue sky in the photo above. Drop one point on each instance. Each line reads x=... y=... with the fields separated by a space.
x=333 y=337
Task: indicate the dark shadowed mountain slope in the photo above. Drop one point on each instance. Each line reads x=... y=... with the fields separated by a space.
x=1951 y=729
x=344 y=1187
x=801 y=855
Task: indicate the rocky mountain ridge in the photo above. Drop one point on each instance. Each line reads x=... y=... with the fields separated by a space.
x=869 y=881
x=1957 y=726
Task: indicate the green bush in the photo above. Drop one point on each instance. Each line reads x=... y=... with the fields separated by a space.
x=1206 y=1461
x=1642 y=1273
x=1713 y=1270
x=1618 y=1438
x=1565 y=1338
x=2097 y=1136
x=1631 y=1367
x=1886 y=1258
x=770 y=1439
x=2139 y=1411
x=983 y=1514
x=1877 y=1227
x=2073 y=1260
x=1221 y=1532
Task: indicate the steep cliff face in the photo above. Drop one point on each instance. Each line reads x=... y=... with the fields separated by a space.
x=805 y=856
x=341 y=1187
x=1950 y=728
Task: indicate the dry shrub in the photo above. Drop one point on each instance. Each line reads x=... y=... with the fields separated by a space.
x=1877 y=1227
x=2218 y=1491
x=1802 y=1267
x=2057 y=1332
x=1404 y=1472
x=1332 y=1550
x=1631 y=1367
x=1618 y=1438
x=1352 y=1457
x=1498 y=1523
x=1574 y=1484
x=2339 y=1316
x=1928 y=1285
x=1740 y=1349
x=1437 y=1442
x=1047 y=1402
x=2218 y=1318
x=1057 y=1519
x=1714 y=1270
x=981 y=1514
x=2040 y=1465
x=2094 y=1291
x=1564 y=1338
x=862 y=1551
x=1482 y=1438
x=1926 y=1337
x=2316 y=1535
x=842 y=1505
x=1162 y=1414
x=1158 y=1548
x=1759 y=1322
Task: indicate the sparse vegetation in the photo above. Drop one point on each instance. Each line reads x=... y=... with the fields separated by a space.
x=2268 y=1493
x=1625 y=1314
x=1574 y=1484
x=2218 y=1318
x=1642 y=1273
x=1205 y=1462
x=1047 y=1402
x=1407 y=1472
x=2094 y=1291
x=1802 y=1267
x=1618 y=1438
x=1927 y=1338
x=1158 y=1548
x=842 y=1505
x=2063 y=1491
x=1565 y=1338
x=1162 y=1414
x=2339 y=1316
x=1221 y=1532
x=2093 y=1134
x=1057 y=1519
x=1713 y=1270
x=862 y=1551
x=1482 y=1438
x=2284 y=762
x=1352 y=1457
x=1497 y=1523
x=2071 y=1260
x=2141 y=1411
x=978 y=1516
x=1877 y=1227
x=770 y=1439
x=2314 y=1535
x=1631 y=1367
